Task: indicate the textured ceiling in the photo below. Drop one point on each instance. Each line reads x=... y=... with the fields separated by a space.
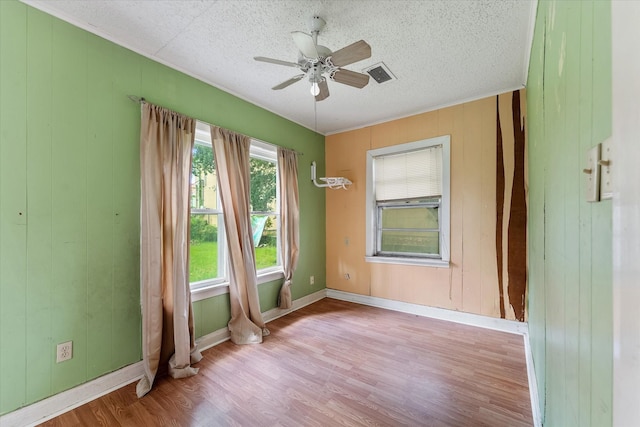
x=442 y=52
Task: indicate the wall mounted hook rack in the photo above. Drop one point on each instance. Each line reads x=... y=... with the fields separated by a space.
x=335 y=183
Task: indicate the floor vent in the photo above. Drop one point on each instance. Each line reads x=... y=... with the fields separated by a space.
x=380 y=73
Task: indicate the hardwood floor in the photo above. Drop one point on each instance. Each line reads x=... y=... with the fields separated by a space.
x=335 y=363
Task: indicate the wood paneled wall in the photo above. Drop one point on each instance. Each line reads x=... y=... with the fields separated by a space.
x=570 y=239
x=471 y=283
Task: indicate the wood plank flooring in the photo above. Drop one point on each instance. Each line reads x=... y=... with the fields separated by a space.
x=335 y=363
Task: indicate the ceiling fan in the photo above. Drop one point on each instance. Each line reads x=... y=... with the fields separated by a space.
x=315 y=61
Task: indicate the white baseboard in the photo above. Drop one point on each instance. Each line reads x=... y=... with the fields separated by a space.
x=503 y=325
x=222 y=335
x=276 y=313
x=533 y=383
x=213 y=339
x=60 y=403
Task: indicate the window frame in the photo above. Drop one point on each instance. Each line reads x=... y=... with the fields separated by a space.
x=208 y=288
x=372 y=254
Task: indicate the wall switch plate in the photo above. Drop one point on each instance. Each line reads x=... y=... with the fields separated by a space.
x=64 y=351
x=606 y=187
x=592 y=174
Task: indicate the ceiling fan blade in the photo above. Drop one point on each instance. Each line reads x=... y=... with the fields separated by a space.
x=305 y=44
x=349 y=54
x=350 y=78
x=289 y=82
x=324 y=90
x=276 y=61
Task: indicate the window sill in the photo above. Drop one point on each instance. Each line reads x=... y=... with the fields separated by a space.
x=213 y=290
x=270 y=275
x=425 y=262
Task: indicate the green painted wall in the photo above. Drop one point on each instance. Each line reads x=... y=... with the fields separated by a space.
x=570 y=240
x=69 y=199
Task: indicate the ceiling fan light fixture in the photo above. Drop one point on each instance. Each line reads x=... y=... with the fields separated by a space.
x=315 y=89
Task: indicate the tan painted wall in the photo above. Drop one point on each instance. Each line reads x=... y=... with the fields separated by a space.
x=471 y=283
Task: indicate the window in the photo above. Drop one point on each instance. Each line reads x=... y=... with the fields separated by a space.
x=408 y=203
x=207 y=245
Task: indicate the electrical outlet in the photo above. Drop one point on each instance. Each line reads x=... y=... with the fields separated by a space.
x=312 y=280
x=64 y=351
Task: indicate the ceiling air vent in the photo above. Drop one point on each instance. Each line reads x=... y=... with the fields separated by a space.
x=380 y=73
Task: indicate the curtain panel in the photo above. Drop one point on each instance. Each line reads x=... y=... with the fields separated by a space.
x=166 y=142
x=231 y=153
x=289 y=221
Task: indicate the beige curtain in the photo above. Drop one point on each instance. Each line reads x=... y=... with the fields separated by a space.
x=166 y=140
x=231 y=153
x=289 y=220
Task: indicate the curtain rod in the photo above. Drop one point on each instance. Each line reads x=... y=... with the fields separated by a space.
x=141 y=100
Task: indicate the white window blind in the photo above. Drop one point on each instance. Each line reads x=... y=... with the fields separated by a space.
x=409 y=175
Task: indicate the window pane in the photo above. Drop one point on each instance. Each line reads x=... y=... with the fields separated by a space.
x=415 y=242
x=203 y=248
x=409 y=230
x=414 y=217
x=203 y=179
x=264 y=206
x=263 y=185
x=265 y=240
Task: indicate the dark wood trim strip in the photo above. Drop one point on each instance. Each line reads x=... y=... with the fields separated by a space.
x=499 y=204
x=517 y=235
